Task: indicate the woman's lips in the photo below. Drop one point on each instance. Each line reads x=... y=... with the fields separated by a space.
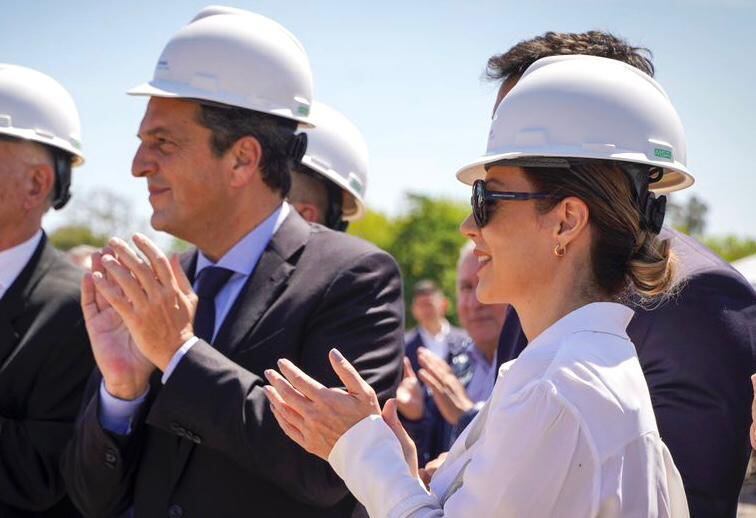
x=483 y=258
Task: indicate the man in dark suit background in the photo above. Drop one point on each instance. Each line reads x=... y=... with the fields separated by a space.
x=697 y=349
x=177 y=423
x=45 y=357
x=433 y=331
x=417 y=409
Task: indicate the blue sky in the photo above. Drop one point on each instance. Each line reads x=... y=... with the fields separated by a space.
x=409 y=74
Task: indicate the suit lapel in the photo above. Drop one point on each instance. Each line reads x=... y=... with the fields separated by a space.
x=16 y=300
x=264 y=286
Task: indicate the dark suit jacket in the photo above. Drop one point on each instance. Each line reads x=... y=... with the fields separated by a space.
x=697 y=353
x=45 y=360
x=206 y=443
x=432 y=435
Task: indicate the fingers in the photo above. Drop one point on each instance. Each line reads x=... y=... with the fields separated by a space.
x=437 y=388
x=278 y=404
x=432 y=362
x=286 y=393
x=181 y=279
x=389 y=413
x=160 y=264
x=111 y=294
x=391 y=418
x=348 y=374
x=289 y=428
x=408 y=371
x=88 y=304
x=98 y=267
x=119 y=276
x=135 y=265
x=310 y=388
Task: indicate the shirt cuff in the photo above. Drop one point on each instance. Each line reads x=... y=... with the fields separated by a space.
x=177 y=358
x=369 y=458
x=116 y=414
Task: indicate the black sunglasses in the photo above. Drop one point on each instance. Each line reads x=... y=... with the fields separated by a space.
x=482 y=198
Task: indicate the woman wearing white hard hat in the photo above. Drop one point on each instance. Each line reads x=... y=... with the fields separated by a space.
x=565 y=224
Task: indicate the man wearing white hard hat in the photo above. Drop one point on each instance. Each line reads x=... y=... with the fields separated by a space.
x=696 y=350
x=329 y=186
x=45 y=357
x=177 y=424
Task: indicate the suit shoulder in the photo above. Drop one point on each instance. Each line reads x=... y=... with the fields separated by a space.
x=342 y=247
x=61 y=277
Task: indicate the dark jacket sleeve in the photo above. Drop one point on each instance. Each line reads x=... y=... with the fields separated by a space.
x=30 y=447
x=360 y=313
x=697 y=355
x=98 y=466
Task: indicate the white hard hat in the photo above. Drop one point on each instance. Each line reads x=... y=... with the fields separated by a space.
x=337 y=150
x=34 y=106
x=238 y=58
x=587 y=107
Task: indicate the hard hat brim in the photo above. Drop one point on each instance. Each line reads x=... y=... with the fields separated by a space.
x=676 y=175
x=77 y=158
x=354 y=208
x=170 y=90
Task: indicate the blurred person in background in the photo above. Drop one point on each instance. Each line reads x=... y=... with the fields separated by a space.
x=447 y=393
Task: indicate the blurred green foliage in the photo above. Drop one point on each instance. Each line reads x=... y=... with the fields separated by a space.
x=425 y=241
x=66 y=237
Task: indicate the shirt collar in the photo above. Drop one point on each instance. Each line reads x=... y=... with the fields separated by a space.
x=445 y=329
x=243 y=256
x=535 y=359
x=14 y=259
x=599 y=317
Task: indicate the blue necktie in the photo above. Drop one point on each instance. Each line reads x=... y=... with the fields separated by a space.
x=209 y=282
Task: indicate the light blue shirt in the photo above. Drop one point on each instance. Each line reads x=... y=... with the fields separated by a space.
x=116 y=414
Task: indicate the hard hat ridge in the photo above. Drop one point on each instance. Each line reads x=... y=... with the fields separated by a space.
x=236 y=58
x=587 y=107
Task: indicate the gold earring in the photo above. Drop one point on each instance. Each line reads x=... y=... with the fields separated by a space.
x=559 y=250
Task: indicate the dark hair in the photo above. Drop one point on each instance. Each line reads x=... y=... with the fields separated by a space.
x=425 y=287
x=514 y=62
x=228 y=124
x=624 y=254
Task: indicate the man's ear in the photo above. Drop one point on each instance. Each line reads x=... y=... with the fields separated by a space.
x=571 y=219
x=309 y=212
x=245 y=156
x=39 y=183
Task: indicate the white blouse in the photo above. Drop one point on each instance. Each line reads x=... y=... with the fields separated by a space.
x=568 y=431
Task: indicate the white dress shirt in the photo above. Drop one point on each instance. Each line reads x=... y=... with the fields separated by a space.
x=14 y=260
x=116 y=414
x=436 y=344
x=569 y=431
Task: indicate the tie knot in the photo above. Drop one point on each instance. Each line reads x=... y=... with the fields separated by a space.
x=210 y=281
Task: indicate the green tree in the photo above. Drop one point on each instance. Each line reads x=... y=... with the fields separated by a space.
x=427 y=243
x=731 y=248
x=375 y=227
x=66 y=237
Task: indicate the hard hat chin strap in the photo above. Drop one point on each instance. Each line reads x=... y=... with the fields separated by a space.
x=333 y=217
x=62 y=161
x=297 y=147
x=652 y=209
